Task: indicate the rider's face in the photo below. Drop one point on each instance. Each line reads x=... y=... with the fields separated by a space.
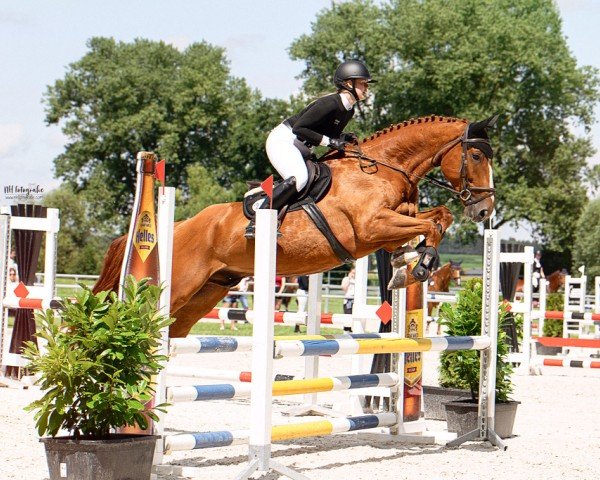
x=362 y=88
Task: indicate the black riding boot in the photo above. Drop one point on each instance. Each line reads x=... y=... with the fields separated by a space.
x=282 y=193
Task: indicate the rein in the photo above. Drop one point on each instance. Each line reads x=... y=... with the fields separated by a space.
x=465 y=194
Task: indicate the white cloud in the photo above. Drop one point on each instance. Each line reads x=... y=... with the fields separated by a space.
x=12 y=137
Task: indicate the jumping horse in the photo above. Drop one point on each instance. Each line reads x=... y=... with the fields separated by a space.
x=372 y=204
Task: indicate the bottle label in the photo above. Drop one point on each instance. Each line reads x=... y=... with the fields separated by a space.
x=413 y=365
x=145 y=234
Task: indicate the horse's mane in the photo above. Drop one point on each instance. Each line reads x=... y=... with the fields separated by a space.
x=410 y=122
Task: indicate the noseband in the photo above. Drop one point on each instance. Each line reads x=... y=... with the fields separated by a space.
x=465 y=194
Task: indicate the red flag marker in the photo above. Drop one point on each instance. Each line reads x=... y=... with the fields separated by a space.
x=21 y=291
x=267 y=187
x=384 y=313
x=159 y=172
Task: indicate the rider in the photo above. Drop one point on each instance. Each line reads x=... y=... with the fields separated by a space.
x=320 y=123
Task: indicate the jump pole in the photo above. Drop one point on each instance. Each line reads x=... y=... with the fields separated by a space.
x=165 y=223
x=265 y=261
x=489 y=328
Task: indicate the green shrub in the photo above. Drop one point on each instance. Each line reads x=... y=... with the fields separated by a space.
x=460 y=369
x=553 y=328
x=100 y=362
x=555 y=301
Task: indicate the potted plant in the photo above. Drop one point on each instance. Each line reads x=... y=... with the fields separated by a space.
x=96 y=372
x=460 y=369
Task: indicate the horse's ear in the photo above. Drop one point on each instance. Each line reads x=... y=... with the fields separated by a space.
x=477 y=128
x=491 y=122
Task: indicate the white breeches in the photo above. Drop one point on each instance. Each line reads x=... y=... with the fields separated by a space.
x=285 y=157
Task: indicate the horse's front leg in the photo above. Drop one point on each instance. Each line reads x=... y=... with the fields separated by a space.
x=391 y=230
x=439 y=215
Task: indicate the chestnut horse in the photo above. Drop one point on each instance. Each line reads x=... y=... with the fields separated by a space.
x=556 y=281
x=372 y=204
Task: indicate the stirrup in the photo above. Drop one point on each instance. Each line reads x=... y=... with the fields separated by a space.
x=250 y=231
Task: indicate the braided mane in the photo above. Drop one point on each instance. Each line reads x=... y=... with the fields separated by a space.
x=414 y=121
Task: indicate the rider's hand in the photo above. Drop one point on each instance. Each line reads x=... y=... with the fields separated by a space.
x=337 y=143
x=349 y=137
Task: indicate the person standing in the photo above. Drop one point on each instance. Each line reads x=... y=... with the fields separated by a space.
x=348 y=289
x=243 y=289
x=538 y=271
x=302 y=293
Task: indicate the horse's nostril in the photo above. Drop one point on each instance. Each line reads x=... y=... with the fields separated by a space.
x=483 y=213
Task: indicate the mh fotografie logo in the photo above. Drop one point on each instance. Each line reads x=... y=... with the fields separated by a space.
x=20 y=192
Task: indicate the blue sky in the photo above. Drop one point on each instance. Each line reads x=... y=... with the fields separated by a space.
x=38 y=39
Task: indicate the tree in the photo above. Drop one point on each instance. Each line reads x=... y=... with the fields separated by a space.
x=121 y=98
x=586 y=250
x=471 y=59
x=82 y=241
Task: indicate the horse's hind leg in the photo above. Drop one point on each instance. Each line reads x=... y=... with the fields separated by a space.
x=201 y=303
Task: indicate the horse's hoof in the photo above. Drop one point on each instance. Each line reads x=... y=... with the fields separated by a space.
x=401 y=258
x=399 y=279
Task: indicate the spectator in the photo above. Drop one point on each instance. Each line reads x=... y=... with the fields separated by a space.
x=538 y=271
x=279 y=287
x=230 y=301
x=348 y=289
x=243 y=289
x=302 y=292
x=13 y=281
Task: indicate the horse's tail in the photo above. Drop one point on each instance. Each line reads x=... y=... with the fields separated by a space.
x=111 y=269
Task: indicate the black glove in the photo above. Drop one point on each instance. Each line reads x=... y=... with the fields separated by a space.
x=337 y=143
x=349 y=137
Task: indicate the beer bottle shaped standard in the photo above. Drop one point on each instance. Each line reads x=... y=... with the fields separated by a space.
x=141 y=253
x=413 y=361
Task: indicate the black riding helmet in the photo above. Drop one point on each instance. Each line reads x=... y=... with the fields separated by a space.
x=351 y=70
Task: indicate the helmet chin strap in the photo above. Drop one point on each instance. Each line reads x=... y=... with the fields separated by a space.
x=353 y=90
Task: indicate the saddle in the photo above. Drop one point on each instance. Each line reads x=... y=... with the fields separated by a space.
x=318 y=185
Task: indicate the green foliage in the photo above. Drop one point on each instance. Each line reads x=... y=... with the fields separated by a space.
x=460 y=369
x=586 y=250
x=121 y=98
x=82 y=239
x=98 y=366
x=471 y=59
x=553 y=328
x=555 y=301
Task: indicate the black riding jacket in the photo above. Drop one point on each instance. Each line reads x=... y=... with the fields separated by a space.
x=325 y=116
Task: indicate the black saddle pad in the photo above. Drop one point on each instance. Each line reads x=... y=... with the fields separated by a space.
x=319 y=175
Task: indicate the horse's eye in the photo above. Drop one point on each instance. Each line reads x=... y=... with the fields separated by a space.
x=476 y=157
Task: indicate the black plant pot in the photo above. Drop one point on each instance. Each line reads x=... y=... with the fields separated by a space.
x=462 y=417
x=120 y=457
x=435 y=397
x=545 y=350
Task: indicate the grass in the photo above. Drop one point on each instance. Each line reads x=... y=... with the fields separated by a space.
x=469 y=261
x=245 y=329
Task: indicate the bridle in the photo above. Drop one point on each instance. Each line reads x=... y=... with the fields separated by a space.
x=466 y=192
